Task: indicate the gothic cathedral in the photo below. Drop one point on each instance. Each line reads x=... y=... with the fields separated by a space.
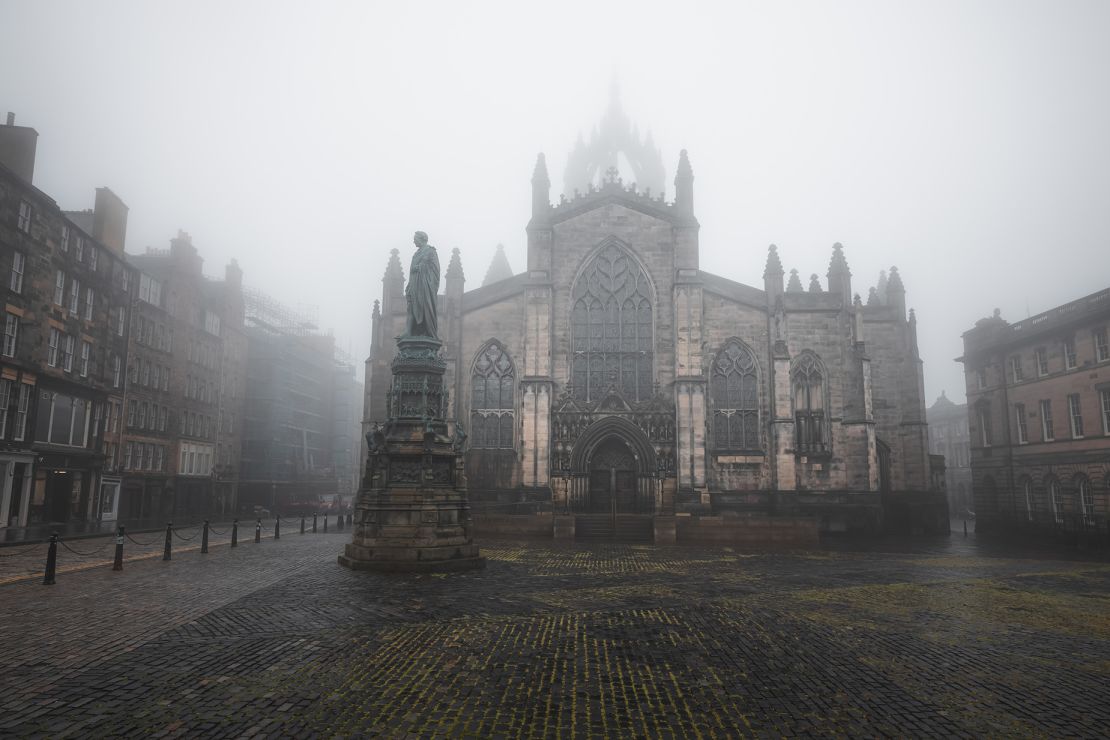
x=613 y=375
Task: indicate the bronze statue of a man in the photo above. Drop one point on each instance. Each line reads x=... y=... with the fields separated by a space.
x=422 y=289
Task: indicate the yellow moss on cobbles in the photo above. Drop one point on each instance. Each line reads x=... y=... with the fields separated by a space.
x=987 y=604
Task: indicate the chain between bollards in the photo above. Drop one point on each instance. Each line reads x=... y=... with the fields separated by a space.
x=258 y=531
x=51 y=560
x=204 y=538
x=235 y=533
x=167 y=553
x=117 y=564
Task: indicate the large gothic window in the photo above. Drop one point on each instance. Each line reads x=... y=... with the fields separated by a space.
x=808 y=381
x=611 y=327
x=491 y=398
x=734 y=388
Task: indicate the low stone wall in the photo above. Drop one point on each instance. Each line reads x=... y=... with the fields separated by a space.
x=513 y=526
x=747 y=531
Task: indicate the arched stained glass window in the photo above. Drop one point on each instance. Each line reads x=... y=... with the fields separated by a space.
x=807 y=377
x=734 y=391
x=612 y=327
x=491 y=398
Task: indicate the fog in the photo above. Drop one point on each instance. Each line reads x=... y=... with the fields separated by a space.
x=965 y=142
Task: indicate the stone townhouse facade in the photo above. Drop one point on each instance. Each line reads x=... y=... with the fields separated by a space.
x=615 y=376
x=68 y=289
x=950 y=438
x=1038 y=394
x=186 y=375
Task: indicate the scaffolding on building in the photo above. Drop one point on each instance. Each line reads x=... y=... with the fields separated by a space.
x=266 y=312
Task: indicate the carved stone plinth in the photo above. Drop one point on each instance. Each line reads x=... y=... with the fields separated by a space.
x=412 y=513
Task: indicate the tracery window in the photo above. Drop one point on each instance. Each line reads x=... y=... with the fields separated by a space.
x=734 y=390
x=808 y=382
x=491 y=398
x=612 y=328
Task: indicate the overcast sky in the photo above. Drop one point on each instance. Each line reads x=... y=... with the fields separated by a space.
x=968 y=143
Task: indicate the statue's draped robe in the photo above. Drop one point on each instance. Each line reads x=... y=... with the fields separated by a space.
x=421 y=291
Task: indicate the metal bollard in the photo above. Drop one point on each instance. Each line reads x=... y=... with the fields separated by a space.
x=168 y=552
x=235 y=533
x=965 y=527
x=51 y=560
x=204 y=538
x=258 y=531
x=302 y=523
x=118 y=563
x=325 y=523
x=277 y=526
x=350 y=519
x=314 y=522
x=339 y=523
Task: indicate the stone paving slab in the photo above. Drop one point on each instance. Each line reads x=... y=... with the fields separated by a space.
x=276 y=640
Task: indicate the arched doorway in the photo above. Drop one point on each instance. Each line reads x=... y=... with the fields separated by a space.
x=612 y=479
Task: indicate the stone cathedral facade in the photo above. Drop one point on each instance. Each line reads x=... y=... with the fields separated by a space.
x=614 y=376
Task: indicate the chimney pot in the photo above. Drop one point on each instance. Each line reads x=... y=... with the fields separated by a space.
x=11 y=118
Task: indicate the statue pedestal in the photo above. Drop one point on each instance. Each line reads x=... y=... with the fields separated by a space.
x=412 y=513
x=412 y=530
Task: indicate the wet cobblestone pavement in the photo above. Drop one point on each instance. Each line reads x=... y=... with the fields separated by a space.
x=275 y=639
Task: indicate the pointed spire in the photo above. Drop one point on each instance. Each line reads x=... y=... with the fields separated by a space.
x=840 y=277
x=499 y=267
x=794 y=285
x=455 y=268
x=774 y=264
x=880 y=287
x=684 y=185
x=814 y=284
x=541 y=188
x=377 y=312
x=896 y=293
x=393 y=268
x=838 y=264
x=895 y=282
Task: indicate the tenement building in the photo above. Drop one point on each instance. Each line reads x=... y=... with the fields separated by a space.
x=616 y=377
x=1038 y=395
x=949 y=437
x=179 y=444
x=68 y=289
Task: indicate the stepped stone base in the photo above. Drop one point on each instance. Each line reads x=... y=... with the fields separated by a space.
x=412 y=530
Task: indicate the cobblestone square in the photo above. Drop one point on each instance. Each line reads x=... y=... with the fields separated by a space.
x=275 y=639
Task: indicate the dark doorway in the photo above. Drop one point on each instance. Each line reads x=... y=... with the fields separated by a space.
x=613 y=479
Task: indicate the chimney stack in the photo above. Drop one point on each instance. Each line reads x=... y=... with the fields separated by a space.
x=17 y=148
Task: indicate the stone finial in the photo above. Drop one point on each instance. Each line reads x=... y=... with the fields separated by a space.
x=684 y=185
x=376 y=313
x=774 y=264
x=794 y=285
x=541 y=188
x=873 y=297
x=880 y=286
x=857 y=301
x=499 y=267
x=393 y=268
x=814 y=284
x=838 y=265
x=454 y=267
x=895 y=282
